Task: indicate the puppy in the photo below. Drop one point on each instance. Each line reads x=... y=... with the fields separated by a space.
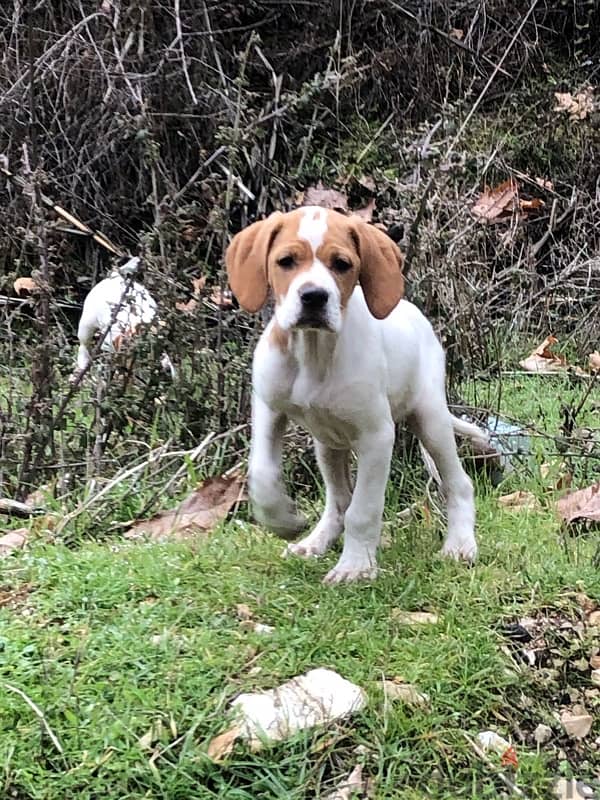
x=116 y=307
x=347 y=358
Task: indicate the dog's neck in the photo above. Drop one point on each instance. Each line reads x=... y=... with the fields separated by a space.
x=313 y=349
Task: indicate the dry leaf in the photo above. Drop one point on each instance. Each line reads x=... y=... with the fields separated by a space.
x=13 y=540
x=221 y=297
x=594 y=361
x=191 y=305
x=595 y=662
x=25 y=285
x=556 y=476
x=519 y=501
x=493 y=203
x=414 y=617
x=222 y=745
x=545 y=184
x=405 y=692
x=326 y=198
x=577 y=723
x=542 y=359
x=202 y=510
x=583 y=504
x=456 y=33
x=577 y=106
x=594 y=619
x=535 y=204
x=243 y=611
x=365 y=213
x=152 y=735
x=349 y=786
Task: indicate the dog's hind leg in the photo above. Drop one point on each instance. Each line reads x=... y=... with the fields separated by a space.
x=271 y=504
x=433 y=424
x=335 y=469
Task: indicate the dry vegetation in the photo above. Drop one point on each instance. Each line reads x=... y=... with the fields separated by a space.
x=168 y=127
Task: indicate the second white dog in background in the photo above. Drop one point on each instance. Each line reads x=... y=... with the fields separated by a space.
x=115 y=308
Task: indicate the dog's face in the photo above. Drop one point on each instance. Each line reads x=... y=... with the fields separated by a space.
x=312 y=258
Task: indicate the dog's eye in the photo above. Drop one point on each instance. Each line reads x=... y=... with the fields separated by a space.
x=286 y=262
x=341 y=265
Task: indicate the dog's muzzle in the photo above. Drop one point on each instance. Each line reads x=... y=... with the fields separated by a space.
x=313 y=300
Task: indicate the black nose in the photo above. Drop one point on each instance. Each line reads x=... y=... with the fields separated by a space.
x=313 y=298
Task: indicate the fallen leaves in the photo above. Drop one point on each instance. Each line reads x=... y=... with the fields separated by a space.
x=201 y=511
x=25 y=285
x=519 y=501
x=13 y=540
x=577 y=106
x=350 y=786
x=320 y=195
x=414 y=617
x=594 y=361
x=192 y=304
x=577 y=723
x=502 y=202
x=580 y=505
x=543 y=359
x=221 y=746
x=397 y=689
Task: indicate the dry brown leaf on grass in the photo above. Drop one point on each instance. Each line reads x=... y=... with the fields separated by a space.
x=365 y=213
x=202 y=510
x=25 y=285
x=319 y=195
x=13 y=540
x=577 y=106
x=191 y=305
x=582 y=504
x=397 y=689
x=576 y=722
x=221 y=297
x=542 y=359
x=519 y=501
x=594 y=361
x=221 y=746
x=500 y=203
x=350 y=786
x=414 y=617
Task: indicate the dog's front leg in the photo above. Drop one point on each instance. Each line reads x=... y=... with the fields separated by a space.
x=362 y=523
x=272 y=506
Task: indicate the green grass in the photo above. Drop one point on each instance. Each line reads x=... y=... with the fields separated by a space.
x=113 y=640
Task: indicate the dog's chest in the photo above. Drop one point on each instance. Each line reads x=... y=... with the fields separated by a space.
x=323 y=408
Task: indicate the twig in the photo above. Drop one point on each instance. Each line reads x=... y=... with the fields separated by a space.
x=39 y=713
x=155 y=455
x=484 y=91
x=183 y=61
x=17 y=509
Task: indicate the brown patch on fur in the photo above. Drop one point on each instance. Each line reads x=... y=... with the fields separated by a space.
x=339 y=242
x=279 y=338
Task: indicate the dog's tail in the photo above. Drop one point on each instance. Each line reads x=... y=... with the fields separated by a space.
x=470 y=431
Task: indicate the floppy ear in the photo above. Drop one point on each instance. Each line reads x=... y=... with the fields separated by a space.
x=246 y=261
x=380 y=269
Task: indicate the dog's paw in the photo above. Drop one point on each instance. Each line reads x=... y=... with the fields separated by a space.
x=310 y=547
x=460 y=549
x=348 y=572
x=285 y=524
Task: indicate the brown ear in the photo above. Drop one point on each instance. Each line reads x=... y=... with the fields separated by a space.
x=380 y=269
x=246 y=261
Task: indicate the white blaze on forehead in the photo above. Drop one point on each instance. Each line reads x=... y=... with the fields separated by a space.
x=313 y=226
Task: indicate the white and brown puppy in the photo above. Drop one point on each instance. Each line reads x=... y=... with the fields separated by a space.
x=347 y=358
x=115 y=308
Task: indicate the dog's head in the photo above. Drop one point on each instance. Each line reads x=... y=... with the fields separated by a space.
x=312 y=258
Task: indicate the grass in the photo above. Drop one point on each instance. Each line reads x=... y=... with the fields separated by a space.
x=113 y=640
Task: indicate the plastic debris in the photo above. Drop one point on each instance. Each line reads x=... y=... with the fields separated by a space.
x=492 y=741
x=315 y=698
x=508 y=440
